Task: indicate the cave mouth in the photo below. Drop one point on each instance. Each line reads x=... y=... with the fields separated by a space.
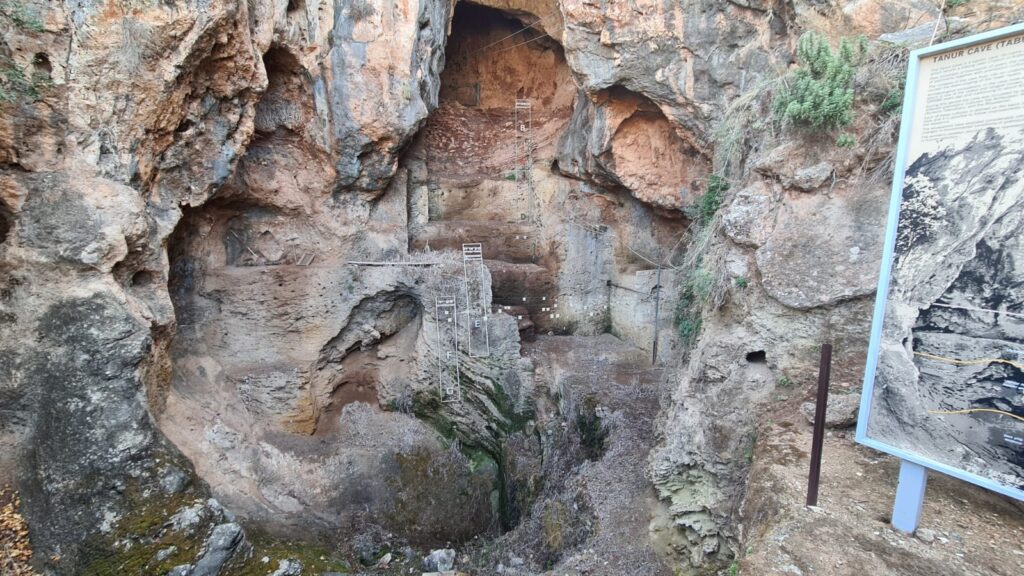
x=5 y=222
x=493 y=59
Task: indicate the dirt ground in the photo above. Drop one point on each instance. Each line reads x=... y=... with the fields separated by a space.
x=964 y=529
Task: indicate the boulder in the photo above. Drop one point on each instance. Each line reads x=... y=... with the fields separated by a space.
x=840 y=413
x=441 y=560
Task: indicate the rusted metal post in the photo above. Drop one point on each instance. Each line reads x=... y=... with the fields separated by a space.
x=657 y=305
x=824 y=375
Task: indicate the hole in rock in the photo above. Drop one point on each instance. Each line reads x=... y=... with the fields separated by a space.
x=295 y=5
x=287 y=96
x=757 y=357
x=5 y=222
x=142 y=279
x=41 y=65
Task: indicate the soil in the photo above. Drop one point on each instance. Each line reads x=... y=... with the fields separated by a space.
x=964 y=529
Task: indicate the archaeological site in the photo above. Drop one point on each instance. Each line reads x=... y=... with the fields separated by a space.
x=512 y=287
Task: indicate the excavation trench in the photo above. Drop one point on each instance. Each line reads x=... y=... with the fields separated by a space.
x=307 y=390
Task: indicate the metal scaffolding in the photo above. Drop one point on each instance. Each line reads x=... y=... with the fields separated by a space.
x=479 y=340
x=523 y=125
x=446 y=318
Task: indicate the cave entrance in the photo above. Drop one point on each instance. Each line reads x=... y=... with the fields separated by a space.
x=492 y=59
x=478 y=180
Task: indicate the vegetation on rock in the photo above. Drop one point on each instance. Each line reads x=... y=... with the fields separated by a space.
x=820 y=93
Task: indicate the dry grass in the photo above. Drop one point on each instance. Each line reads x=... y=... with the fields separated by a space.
x=15 y=550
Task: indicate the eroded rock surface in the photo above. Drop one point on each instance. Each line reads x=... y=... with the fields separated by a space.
x=225 y=228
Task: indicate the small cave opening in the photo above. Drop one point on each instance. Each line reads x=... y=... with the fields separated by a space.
x=41 y=67
x=6 y=224
x=295 y=5
x=757 y=357
x=143 y=279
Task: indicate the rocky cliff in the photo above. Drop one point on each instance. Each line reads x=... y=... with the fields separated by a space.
x=240 y=332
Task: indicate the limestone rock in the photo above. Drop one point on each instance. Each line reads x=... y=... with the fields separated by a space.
x=746 y=220
x=442 y=560
x=221 y=546
x=810 y=178
x=805 y=264
x=841 y=411
x=288 y=567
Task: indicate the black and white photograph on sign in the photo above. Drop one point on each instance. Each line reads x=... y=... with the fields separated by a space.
x=950 y=377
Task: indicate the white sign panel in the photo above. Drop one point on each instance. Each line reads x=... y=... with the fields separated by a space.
x=944 y=384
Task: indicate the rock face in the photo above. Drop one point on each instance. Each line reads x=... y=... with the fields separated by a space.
x=230 y=239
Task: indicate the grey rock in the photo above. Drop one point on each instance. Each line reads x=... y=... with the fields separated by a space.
x=926 y=535
x=289 y=567
x=840 y=413
x=745 y=221
x=183 y=570
x=165 y=553
x=188 y=518
x=439 y=560
x=368 y=546
x=811 y=178
x=222 y=544
x=792 y=259
x=915 y=37
x=173 y=480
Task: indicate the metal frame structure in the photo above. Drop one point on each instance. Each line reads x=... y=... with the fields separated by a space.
x=473 y=256
x=522 y=123
x=446 y=318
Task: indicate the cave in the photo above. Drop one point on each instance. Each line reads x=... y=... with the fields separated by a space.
x=5 y=222
x=293 y=345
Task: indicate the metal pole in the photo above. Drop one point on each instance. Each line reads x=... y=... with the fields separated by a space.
x=824 y=373
x=906 y=510
x=657 y=304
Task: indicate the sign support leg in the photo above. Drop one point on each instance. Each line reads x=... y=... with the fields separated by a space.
x=906 y=512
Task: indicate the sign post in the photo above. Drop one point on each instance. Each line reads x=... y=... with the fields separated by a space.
x=944 y=379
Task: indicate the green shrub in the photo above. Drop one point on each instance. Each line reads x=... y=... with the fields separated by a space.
x=21 y=16
x=15 y=84
x=893 y=102
x=711 y=201
x=846 y=141
x=820 y=93
x=696 y=292
x=741 y=282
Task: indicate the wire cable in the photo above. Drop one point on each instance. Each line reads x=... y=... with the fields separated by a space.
x=1017 y=365
x=537 y=21
x=972 y=410
x=522 y=43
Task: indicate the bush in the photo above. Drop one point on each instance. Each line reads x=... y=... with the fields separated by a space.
x=696 y=292
x=711 y=201
x=820 y=92
x=21 y=16
x=846 y=141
